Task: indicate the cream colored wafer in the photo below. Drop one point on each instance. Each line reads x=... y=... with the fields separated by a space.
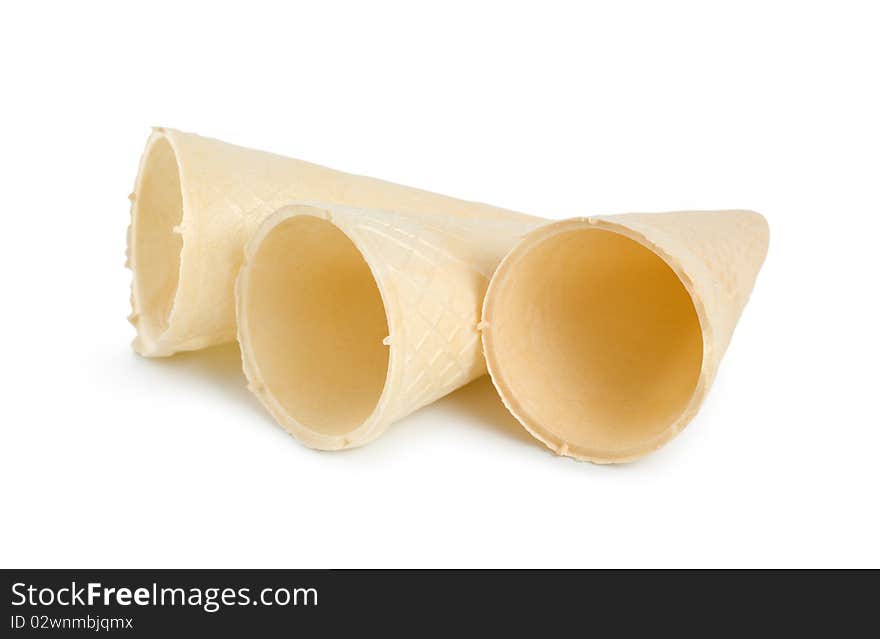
x=195 y=204
x=350 y=319
x=603 y=334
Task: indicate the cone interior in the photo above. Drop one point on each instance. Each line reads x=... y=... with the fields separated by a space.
x=314 y=326
x=594 y=342
x=156 y=246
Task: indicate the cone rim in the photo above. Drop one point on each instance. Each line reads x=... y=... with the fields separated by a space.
x=375 y=423
x=150 y=342
x=508 y=397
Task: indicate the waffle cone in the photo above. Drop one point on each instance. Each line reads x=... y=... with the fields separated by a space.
x=195 y=204
x=350 y=319
x=603 y=335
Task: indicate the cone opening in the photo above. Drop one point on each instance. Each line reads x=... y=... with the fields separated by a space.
x=593 y=341
x=313 y=328
x=156 y=243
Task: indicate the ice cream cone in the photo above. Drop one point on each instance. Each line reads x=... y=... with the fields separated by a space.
x=195 y=204
x=350 y=319
x=603 y=334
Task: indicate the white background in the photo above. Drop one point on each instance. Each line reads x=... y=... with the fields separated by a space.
x=108 y=459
